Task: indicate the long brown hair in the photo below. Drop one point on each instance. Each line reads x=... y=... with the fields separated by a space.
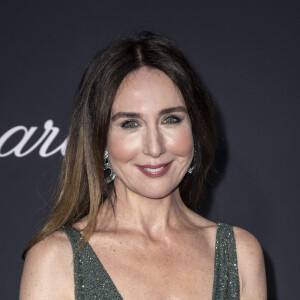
x=82 y=188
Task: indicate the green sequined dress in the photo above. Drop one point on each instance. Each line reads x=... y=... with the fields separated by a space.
x=93 y=282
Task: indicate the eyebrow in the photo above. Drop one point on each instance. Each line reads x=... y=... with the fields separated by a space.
x=137 y=115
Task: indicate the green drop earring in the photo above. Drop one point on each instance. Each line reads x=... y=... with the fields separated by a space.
x=107 y=166
x=191 y=169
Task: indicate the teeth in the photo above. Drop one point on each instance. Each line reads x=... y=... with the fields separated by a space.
x=154 y=170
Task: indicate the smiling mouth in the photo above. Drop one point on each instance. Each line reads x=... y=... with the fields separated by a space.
x=155 y=170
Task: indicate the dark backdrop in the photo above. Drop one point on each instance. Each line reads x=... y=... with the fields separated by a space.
x=247 y=53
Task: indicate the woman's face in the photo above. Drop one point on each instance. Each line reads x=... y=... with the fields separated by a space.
x=150 y=142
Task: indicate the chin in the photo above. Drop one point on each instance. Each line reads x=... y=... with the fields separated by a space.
x=154 y=193
x=151 y=190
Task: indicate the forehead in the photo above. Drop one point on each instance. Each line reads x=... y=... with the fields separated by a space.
x=147 y=90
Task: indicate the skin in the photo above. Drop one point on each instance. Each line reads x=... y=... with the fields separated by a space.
x=155 y=245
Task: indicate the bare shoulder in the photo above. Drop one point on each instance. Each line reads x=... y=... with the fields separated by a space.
x=48 y=269
x=249 y=250
x=251 y=265
x=247 y=244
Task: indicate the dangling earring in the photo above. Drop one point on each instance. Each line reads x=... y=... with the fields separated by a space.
x=191 y=169
x=112 y=175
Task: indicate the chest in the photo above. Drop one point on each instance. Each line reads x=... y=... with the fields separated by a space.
x=184 y=271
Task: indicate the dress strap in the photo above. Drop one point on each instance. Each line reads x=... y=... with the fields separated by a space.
x=226 y=277
x=74 y=236
x=90 y=278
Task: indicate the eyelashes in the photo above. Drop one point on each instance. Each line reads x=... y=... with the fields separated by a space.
x=172 y=119
x=168 y=120
x=129 y=124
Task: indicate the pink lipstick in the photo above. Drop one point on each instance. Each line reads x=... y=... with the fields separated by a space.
x=155 y=170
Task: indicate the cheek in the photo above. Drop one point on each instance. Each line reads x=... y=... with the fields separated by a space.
x=120 y=147
x=181 y=142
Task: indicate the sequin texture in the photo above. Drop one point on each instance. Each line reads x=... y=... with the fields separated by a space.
x=93 y=282
x=90 y=278
x=226 y=278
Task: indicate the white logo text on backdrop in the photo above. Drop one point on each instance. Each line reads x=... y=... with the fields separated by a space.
x=44 y=142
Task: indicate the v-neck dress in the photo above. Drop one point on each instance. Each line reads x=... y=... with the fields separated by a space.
x=93 y=282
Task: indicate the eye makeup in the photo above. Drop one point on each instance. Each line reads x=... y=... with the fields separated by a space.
x=168 y=120
x=172 y=119
x=129 y=124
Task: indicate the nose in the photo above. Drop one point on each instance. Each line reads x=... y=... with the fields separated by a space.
x=154 y=144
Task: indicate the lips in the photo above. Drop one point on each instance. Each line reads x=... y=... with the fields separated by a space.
x=155 y=170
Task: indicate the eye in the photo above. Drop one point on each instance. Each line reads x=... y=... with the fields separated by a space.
x=172 y=119
x=129 y=124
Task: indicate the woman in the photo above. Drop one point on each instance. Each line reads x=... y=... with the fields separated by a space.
x=141 y=141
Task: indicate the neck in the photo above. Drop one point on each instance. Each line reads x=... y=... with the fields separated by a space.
x=152 y=217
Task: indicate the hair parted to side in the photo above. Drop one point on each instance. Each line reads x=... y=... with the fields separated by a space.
x=82 y=188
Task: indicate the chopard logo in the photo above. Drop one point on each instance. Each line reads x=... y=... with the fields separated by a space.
x=19 y=149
